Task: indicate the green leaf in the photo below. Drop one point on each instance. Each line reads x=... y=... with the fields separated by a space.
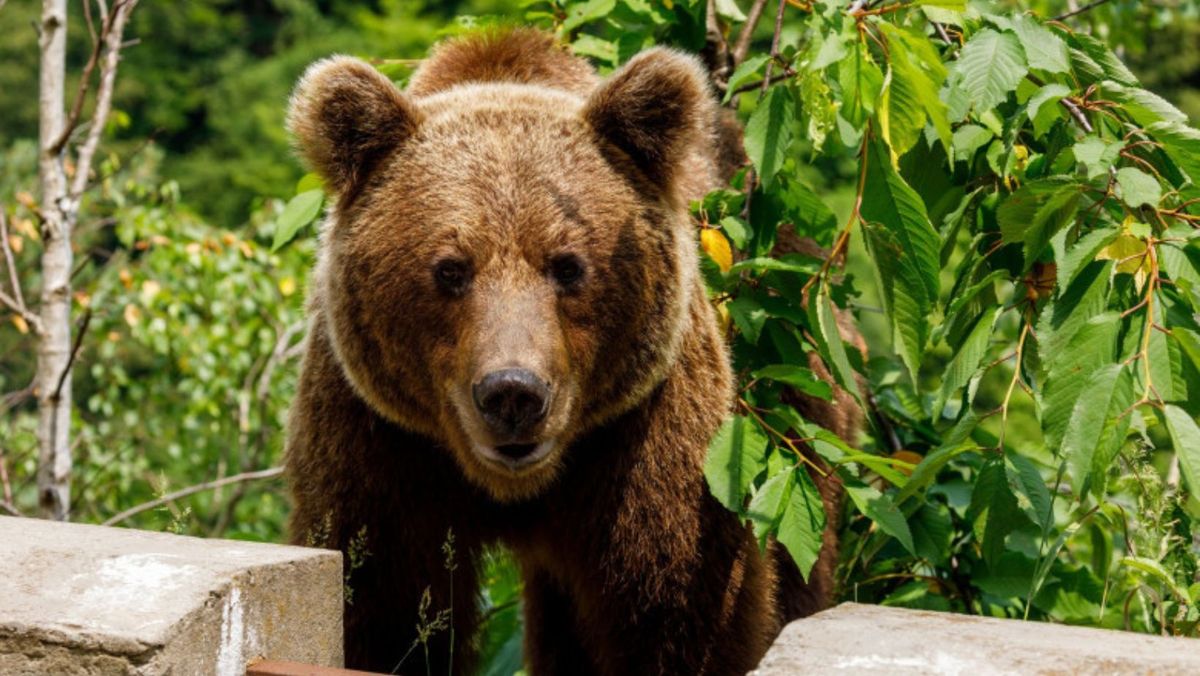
x=926 y=470
x=1146 y=108
x=798 y=263
x=879 y=508
x=952 y=5
x=1182 y=145
x=1008 y=577
x=861 y=82
x=728 y=9
x=933 y=532
x=590 y=45
x=735 y=456
x=992 y=65
x=904 y=250
x=1036 y=212
x=769 y=133
x=767 y=505
x=737 y=231
x=798 y=377
x=1043 y=108
x=1091 y=348
x=1185 y=437
x=1086 y=426
x=745 y=73
x=1044 y=50
x=1097 y=155
x=1138 y=188
x=968 y=139
x=1025 y=475
x=587 y=12
x=829 y=341
x=1083 y=252
x=1103 y=57
x=299 y=212
x=910 y=94
x=749 y=316
x=803 y=522
x=966 y=360
x=993 y=496
x=1155 y=570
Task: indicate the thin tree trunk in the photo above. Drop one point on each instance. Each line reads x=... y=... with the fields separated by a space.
x=52 y=383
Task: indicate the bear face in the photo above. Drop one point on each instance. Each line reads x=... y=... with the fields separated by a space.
x=478 y=267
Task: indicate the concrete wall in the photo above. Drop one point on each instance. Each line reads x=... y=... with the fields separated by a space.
x=858 y=639
x=88 y=600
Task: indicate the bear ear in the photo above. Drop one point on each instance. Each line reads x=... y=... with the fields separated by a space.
x=344 y=116
x=651 y=109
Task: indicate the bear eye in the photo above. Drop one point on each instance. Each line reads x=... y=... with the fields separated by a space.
x=452 y=276
x=566 y=270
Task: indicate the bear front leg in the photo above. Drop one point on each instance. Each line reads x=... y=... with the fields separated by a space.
x=387 y=499
x=552 y=642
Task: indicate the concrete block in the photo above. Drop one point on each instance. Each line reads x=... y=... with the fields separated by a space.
x=860 y=639
x=89 y=600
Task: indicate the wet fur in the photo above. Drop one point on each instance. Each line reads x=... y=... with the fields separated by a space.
x=629 y=565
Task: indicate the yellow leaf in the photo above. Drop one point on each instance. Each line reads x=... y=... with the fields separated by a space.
x=150 y=289
x=16 y=243
x=908 y=457
x=125 y=277
x=132 y=314
x=1130 y=254
x=19 y=322
x=287 y=286
x=717 y=248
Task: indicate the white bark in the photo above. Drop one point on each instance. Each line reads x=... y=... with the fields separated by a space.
x=54 y=343
x=60 y=198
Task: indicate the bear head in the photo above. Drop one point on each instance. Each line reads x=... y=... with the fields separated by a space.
x=506 y=266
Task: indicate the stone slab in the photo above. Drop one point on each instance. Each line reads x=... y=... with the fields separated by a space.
x=78 y=599
x=861 y=639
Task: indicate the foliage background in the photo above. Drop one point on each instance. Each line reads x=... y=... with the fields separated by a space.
x=188 y=357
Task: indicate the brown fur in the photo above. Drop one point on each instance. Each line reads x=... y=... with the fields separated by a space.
x=506 y=153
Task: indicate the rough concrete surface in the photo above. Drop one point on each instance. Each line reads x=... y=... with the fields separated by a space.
x=80 y=599
x=860 y=639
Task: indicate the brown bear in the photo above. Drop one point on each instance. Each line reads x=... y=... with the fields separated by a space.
x=509 y=339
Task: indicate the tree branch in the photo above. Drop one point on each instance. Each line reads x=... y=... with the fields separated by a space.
x=741 y=48
x=79 y=333
x=270 y=473
x=15 y=302
x=1075 y=12
x=112 y=41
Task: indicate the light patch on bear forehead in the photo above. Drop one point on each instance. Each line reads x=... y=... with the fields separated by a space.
x=467 y=99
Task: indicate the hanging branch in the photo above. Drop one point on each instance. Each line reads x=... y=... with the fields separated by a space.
x=269 y=473
x=1076 y=12
x=741 y=47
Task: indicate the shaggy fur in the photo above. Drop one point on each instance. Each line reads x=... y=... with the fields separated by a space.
x=505 y=155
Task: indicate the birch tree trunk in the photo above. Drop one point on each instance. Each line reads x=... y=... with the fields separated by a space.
x=52 y=383
x=61 y=192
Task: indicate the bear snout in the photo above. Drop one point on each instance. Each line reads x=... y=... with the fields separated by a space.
x=512 y=402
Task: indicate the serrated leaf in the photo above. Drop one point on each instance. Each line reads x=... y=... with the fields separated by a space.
x=745 y=73
x=1043 y=49
x=586 y=12
x=769 y=133
x=1097 y=155
x=993 y=496
x=1091 y=348
x=799 y=377
x=1182 y=145
x=1185 y=437
x=933 y=532
x=992 y=65
x=797 y=263
x=1043 y=108
x=1025 y=475
x=926 y=470
x=1103 y=57
x=904 y=250
x=829 y=340
x=1145 y=107
x=299 y=212
x=879 y=508
x=966 y=360
x=861 y=82
x=803 y=522
x=910 y=93
x=1083 y=252
x=1036 y=212
x=968 y=139
x=1138 y=188
x=767 y=505
x=749 y=316
x=735 y=456
x=1086 y=426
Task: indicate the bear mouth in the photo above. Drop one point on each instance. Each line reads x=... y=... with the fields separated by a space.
x=516 y=458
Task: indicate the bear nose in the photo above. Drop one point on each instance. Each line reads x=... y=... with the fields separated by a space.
x=512 y=401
